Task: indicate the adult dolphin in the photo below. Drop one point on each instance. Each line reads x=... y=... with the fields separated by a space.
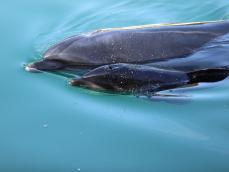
x=136 y=45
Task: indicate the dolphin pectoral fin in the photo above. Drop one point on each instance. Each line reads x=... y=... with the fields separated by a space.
x=170 y=98
x=45 y=65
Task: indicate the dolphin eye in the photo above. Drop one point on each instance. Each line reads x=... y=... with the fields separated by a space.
x=110 y=67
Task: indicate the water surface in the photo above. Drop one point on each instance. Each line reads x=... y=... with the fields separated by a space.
x=46 y=125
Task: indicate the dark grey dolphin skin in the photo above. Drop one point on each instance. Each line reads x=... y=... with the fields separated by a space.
x=145 y=80
x=130 y=78
x=136 y=45
x=208 y=64
x=213 y=54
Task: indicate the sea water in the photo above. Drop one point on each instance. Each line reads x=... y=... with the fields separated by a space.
x=46 y=125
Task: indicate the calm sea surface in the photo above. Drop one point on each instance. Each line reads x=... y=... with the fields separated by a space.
x=46 y=125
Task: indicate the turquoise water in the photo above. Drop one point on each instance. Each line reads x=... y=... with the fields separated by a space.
x=46 y=125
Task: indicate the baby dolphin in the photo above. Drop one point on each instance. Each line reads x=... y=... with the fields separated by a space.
x=135 y=45
x=135 y=79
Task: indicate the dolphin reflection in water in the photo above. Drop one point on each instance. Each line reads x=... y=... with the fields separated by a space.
x=144 y=59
